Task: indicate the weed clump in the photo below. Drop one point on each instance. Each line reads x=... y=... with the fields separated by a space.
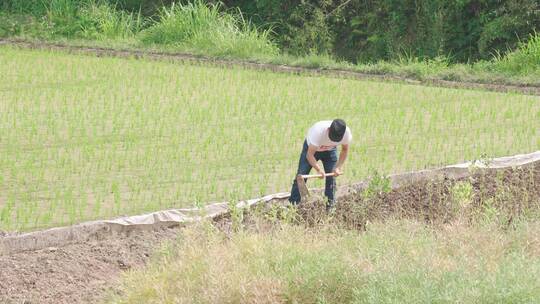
x=202 y=28
x=524 y=60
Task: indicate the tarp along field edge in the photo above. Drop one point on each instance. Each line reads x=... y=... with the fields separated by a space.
x=95 y=230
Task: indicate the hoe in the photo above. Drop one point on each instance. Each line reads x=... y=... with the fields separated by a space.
x=301 y=182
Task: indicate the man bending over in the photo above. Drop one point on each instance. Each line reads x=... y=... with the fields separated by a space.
x=320 y=144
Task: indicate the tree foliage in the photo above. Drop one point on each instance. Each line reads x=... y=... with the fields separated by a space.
x=360 y=30
x=370 y=30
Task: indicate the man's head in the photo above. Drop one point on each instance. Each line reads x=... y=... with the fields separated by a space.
x=337 y=130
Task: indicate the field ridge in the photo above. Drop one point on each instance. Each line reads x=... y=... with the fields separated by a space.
x=255 y=65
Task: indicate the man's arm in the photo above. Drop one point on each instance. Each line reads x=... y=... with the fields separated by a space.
x=342 y=157
x=312 y=161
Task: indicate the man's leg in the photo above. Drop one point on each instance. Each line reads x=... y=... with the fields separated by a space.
x=329 y=159
x=303 y=168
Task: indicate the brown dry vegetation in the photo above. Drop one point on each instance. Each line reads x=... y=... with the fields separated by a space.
x=386 y=263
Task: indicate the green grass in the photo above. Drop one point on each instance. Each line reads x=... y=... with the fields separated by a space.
x=204 y=29
x=395 y=262
x=84 y=137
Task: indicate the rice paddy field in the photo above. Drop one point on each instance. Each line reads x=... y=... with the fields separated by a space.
x=84 y=137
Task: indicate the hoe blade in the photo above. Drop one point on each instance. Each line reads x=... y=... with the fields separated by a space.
x=304 y=192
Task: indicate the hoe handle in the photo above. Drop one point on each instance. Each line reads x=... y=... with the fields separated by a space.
x=318 y=175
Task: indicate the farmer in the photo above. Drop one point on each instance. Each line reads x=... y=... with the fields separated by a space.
x=320 y=144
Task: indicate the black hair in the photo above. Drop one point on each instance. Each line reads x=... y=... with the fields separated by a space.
x=337 y=130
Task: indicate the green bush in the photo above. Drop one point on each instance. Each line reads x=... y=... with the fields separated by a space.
x=300 y=27
x=61 y=18
x=360 y=31
x=524 y=60
x=368 y=31
x=18 y=25
x=202 y=28
x=34 y=7
x=101 y=20
x=88 y=19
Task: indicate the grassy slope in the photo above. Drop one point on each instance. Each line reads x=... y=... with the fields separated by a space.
x=395 y=262
x=86 y=137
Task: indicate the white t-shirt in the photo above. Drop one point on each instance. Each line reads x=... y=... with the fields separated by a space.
x=318 y=136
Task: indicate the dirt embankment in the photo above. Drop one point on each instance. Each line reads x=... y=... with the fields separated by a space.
x=501 y=196
x=342 y=73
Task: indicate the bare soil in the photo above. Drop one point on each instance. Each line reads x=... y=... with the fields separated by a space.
x=85 y=273
x=341 y=73
x=77 y=273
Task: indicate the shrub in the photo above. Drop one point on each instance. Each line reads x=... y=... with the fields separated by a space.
x=89 y=19
x=101 y=20
x=524 y=60
x=18 y=25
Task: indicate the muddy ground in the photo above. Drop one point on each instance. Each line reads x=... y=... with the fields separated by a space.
x=85 y=273
x=341 y=73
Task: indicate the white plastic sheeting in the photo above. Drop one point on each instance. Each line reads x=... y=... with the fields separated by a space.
x=94 y=230
x=176 y=216
x=502 y=162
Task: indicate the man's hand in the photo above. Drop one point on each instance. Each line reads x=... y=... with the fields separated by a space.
x=337 y=171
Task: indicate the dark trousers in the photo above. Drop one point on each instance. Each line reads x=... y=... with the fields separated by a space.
x=329 y=160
